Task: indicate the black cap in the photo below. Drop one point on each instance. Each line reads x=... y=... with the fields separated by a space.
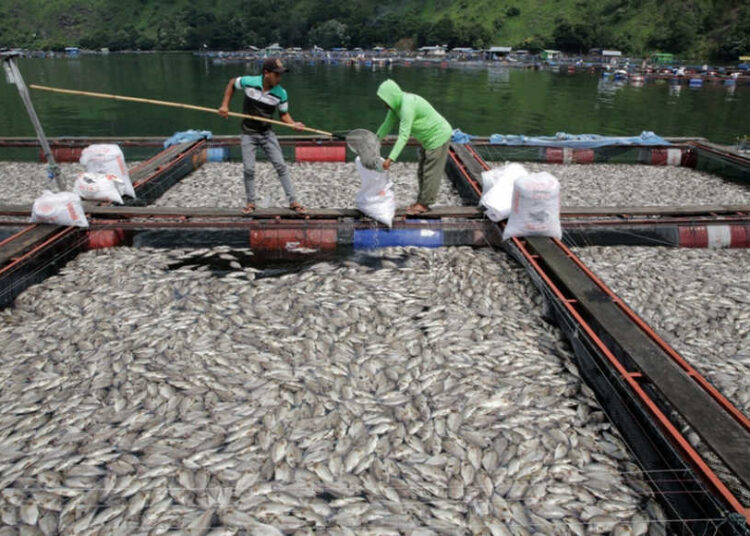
x=274 y=65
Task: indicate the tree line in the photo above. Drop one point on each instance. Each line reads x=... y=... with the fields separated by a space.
x=720 y=28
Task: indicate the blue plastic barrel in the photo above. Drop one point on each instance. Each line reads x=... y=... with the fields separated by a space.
x=384 y=238
x=696 y=82
x=217 y=154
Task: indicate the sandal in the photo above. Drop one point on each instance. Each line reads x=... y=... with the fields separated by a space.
x=249 y=208
x=299 y=209
x=416 y=208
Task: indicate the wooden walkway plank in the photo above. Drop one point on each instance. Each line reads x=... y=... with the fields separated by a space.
x=327 y=213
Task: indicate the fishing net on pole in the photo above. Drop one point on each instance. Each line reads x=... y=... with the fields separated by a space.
x=367 y=146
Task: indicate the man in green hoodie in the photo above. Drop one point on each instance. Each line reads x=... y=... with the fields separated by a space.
x=417 y=118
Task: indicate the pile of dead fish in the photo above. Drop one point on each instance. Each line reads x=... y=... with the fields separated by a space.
x=697 y=299
x=400 y=392
x=326 y=185
x=318 y=185
x=22 y=182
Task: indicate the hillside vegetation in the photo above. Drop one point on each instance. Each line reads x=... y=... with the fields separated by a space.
x=690 y=28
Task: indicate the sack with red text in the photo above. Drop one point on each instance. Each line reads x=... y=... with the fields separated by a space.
x=63 y=208
x=108 y=159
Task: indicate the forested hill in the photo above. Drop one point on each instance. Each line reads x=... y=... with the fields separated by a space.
x=690 y=28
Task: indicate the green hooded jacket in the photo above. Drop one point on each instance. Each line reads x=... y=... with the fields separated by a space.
x=416 y=118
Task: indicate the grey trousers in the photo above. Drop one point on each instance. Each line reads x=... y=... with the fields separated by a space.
x=430 y=172
x=270 y=144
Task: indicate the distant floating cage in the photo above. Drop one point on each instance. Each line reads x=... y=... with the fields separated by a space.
x=697 y=155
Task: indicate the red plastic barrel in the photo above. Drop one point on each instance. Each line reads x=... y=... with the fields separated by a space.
x=320 y=153
x=199 y=158
x=667 y=157
x=715 y=236
x=689 y=158
x=740 y=236
x=658 y=157
x=567 y=155
x=694 y=236
x=320 y=236
x=583 y=156
x=106 y=238
x=555 y=155
x=63 y=154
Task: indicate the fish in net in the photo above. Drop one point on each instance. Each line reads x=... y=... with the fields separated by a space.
x=367 y=146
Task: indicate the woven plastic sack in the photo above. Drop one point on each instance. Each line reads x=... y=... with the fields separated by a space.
x=375 y=197
x=497 y=188
x=535 y=209
x=62 y=208
x=367 y=146
x=108 y=159
x=98 y=187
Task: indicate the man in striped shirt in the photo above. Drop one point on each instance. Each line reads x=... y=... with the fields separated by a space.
x=263 y=96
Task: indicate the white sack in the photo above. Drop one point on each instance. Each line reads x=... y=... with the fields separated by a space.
x=497 y=189
x=108 y=159
x=536 y=207
x=375 y=197
x=98 y=187
x=63 y=208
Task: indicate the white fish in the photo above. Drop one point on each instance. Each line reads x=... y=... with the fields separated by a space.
x=351 y=396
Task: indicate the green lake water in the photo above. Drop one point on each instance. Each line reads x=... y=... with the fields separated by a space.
x=336 y=97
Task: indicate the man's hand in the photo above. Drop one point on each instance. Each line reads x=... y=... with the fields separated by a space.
x=224 y=111
x=387 y=164
x=298 y=125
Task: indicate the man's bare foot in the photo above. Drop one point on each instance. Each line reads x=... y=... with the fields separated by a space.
x=416 y=208
x=249 y=208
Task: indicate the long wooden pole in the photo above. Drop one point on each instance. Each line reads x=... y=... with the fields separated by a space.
x=172 y=104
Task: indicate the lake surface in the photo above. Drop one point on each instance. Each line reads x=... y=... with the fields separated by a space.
x=480 y=101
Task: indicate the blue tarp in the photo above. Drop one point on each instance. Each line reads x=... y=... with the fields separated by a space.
x=461 y=137
x=561 y=139
x=578 y=141
x=187 y=135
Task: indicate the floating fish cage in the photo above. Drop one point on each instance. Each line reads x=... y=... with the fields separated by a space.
x=696 y=154
x=458 y=392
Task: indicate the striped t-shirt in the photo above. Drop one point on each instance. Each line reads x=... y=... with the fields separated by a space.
x=259 y=102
